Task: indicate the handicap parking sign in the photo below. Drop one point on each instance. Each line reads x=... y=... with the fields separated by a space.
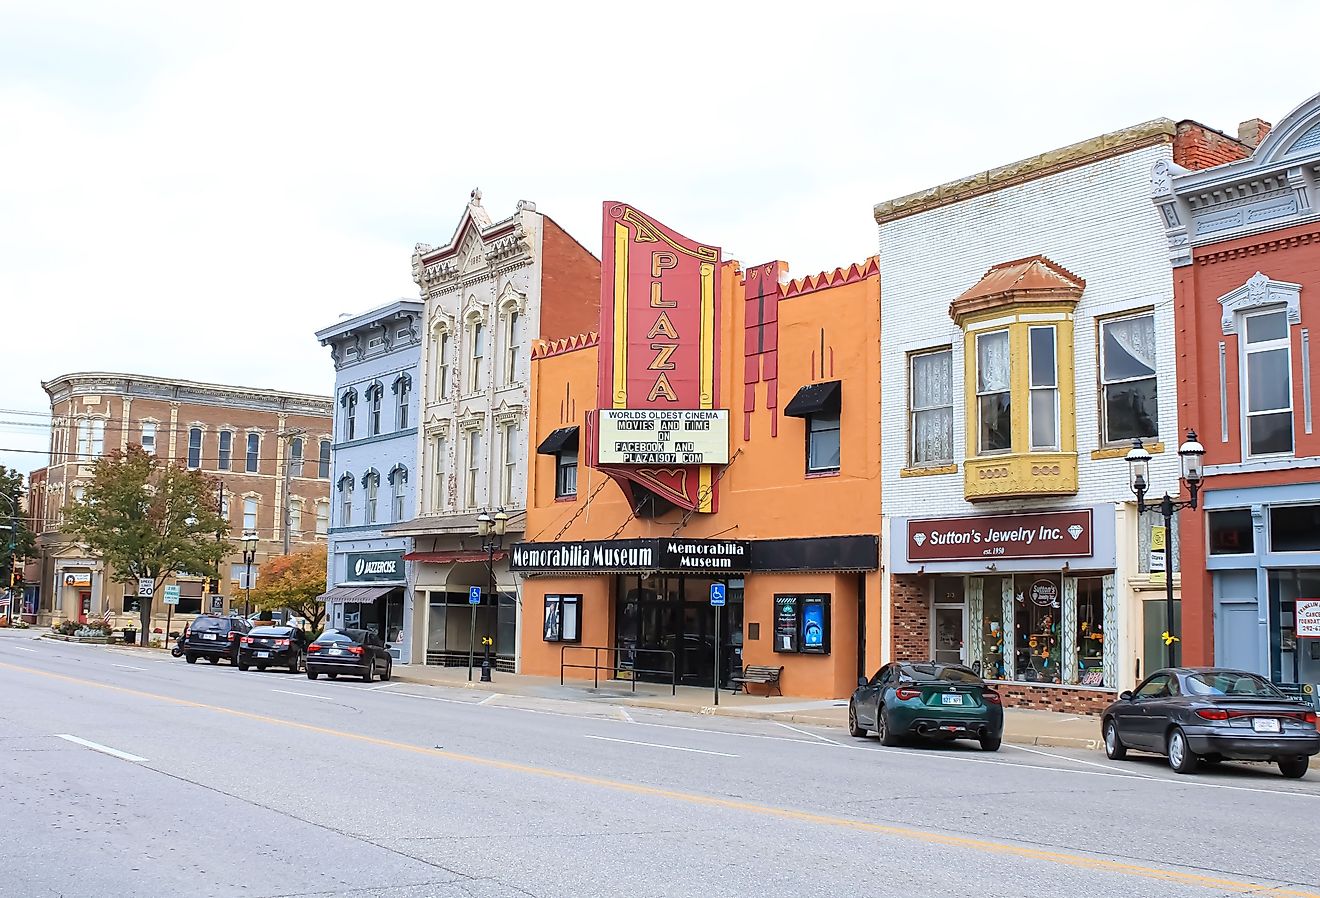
x=474 y=595
x=717 y=594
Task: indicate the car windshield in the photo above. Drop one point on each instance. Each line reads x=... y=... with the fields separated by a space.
x=210 y=625
x=272 y=631
x=342 y=637
x=1231 y=682
x=939 y=673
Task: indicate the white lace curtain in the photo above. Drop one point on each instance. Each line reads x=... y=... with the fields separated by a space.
x=1136 y=337
x=932 y=408
x=992 y=363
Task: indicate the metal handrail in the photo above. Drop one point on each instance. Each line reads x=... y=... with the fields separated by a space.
x=595 y=666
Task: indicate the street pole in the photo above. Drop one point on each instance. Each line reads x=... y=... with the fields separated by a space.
x=717 y=654
x=472 y=640
x=495 y=603
x=1170 y=648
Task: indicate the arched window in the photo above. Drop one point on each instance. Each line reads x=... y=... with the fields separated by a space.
x=253 y=452
x=84 y=438
x=403 y=390
x=322 y=517
x=98 y=437
x=323 y=465
x=194 y=447
x=477 y=352
x=348 y=401
x=346 y=500
x=398 y=480
x=295 y=516
x=296 y=457
x=512 y=347
x=374 y=394
x=250 y=514
x=371 y=481
x=442 y=351
x=225 y=444
x=148 y=441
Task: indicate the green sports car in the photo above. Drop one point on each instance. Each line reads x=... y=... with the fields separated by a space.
x=939 y=701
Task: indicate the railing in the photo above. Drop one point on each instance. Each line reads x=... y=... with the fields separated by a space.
x=611 y=655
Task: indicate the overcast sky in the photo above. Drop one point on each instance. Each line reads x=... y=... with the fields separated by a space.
x=193 y=189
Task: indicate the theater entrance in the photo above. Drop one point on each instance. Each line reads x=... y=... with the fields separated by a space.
x=666 y=623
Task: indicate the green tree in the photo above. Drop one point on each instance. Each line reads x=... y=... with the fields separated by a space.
x=150 y=520
x=16 y=539
x=296 y=582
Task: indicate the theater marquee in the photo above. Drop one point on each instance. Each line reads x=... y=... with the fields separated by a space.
x=660 y=437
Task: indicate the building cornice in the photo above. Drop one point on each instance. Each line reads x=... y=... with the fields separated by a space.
x=143 y=386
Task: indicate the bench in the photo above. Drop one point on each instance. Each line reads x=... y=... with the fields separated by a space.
x=763 y=675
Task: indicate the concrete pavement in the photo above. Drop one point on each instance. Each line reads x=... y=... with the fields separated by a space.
x=129 y=773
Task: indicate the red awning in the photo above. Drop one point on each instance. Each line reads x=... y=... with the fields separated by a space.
x=454 y=556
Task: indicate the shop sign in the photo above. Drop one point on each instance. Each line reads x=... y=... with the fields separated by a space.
x=365 y=567
x=1158 y=537
x=1308 y=618
x=786 y=623
x=664 y=436
x=78 y=579
x=1050 y=534
x=631 y=555
x=1045 y=594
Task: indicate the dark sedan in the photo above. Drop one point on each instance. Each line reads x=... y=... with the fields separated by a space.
x=359 y=653
x=212 y=637
x=939 y=701
x=273 y=647
x=1209 y=714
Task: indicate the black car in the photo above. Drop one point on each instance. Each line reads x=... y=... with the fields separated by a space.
x=929 y=699
x=213 y=637
x=1195 y=714
x=358 y=653
x=273 y=647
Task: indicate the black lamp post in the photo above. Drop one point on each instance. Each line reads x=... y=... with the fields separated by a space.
x=491 y=530
x=1191 y=455
x=249 y=556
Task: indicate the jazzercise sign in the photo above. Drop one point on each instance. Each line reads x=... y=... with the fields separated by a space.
x=366 y=566
x=1050 y=534
x=664 y=436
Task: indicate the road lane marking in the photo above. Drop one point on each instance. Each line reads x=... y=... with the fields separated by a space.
x=303 y=694
x=909 y=833
x=26 y=649
x=805 y=733
x=103 y=749
x=127 y=667
x=380 y=687
x=432 y=698
x=1109 y=767
x=625 y=716
x=697 y=751
x=490 y=698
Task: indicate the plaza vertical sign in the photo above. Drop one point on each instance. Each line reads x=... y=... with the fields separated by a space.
x=659 y=361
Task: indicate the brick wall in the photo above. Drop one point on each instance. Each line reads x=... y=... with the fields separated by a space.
x=1196 y=146
x=910 y=598
x=1046 y=698
x=570 y=284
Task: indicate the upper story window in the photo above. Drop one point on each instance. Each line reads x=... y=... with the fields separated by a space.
x=295 y=516
x=443 y=350
x=931 y=403
x=439 y=446
x=512 y=347
x=473 y=467
x=149 y=438
x=510 y=473
x=250 y=515
x=823 y=443
x=403 y=389
x=348 y=402
x=374 y=393
x=194 y=447
x=1129 y=404
x=322 y=517
x=477 y=345
x=346 y=500
x=1044 y=408
x=371 y=481
x=226 y=445
x=98 y=437
x=398 y=480
x=253 y=461
x=566 y=470
x=296 y=457
x=994 y=393
x=323 y=461
x=1267 y=383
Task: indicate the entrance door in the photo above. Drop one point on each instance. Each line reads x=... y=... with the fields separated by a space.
x=84 y=606
x=671 y=624
x=949 y=631
x=1237 y=642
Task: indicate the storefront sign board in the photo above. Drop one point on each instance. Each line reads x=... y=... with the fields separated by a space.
x=786 y=624
x=369 y=567
x=1158 y=537
x=1308 y=618
x=588 y=556
x=664 y=436
x=78 y=579
x=1050 y=534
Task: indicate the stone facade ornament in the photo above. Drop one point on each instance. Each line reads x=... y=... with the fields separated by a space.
x=1257 y=293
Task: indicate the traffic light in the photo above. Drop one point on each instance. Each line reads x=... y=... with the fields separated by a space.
x=15 y=577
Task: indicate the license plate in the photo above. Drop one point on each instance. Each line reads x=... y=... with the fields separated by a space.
x=336 y=652
x=951 y=699
x=263 y=654
x=210 y=636
x=1265 y=724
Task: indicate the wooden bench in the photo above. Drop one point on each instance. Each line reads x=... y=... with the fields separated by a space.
x=761 y=674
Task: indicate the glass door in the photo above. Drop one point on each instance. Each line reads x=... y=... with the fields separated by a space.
x=949 y=621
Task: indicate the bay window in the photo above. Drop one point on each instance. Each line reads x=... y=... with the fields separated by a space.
x=994 y=395
x=1044 y=408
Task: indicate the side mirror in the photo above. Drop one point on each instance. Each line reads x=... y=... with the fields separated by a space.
x=1125 y=695
x=862 y=681
x=387 y=645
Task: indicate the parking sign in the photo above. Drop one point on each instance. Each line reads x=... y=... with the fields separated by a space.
x=474 y=595
x=172 y=595
x=717 y=594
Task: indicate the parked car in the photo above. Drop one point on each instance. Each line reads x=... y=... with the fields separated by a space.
x=213 y=637
x=274 y=646
x=359 y=653
x=1195 y=714
x=938 y=701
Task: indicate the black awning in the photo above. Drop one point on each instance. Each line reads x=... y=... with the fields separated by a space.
x=557 y=442
x=814 y=399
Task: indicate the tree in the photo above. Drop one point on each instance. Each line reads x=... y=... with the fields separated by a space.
x=147 y=519
x=16 y=540
x=296 y=582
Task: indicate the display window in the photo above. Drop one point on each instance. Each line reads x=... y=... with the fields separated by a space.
x=1037 y=612
x=1090 y=632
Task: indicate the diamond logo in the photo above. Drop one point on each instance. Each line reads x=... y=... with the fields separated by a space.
x=1075 y=531
x=919 y=538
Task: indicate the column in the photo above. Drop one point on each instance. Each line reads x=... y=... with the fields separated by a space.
x=974 y=638
x=1010 y=634
x=1110 y=652
x=1069 y=634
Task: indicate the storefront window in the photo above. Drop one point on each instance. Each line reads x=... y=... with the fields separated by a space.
x=1295 y=528
x=665 y=623
x=1231 y=532
x=992 y=633
x=1038 y=648
x=1292 y=660
x=1090 y=631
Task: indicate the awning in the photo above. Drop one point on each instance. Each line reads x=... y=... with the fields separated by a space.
x=558 y=441
x=342 y=594
x=815 y=399
x=454 y=556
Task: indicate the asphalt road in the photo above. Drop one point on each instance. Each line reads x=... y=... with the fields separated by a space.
x=201 y=780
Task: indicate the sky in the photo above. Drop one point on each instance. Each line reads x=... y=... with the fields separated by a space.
x=192 y=190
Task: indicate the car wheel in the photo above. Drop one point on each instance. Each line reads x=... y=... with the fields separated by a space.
x=191 y=659
x=370 y=672
x=882 y=729
x=1294 y=768
x=296 y=664
x=242 y=666
x=214 y=659
x=389 y=670
x=991 y=743
x=853 y=728
x=333 y=676
x=1115 y=750
x=1181 y=757
x=312 y=675
x=261 y=667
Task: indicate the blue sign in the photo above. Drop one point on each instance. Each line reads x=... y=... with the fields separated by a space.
x=717 y=594
x=474 y=595
x=813 y=626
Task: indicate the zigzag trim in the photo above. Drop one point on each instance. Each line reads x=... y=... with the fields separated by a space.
x=826 y=279
x=546 y=348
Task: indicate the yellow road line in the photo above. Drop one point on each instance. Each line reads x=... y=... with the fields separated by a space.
x=932 y=838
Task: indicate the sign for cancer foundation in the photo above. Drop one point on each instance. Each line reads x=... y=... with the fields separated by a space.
x=659 y=425
x=1051 y=534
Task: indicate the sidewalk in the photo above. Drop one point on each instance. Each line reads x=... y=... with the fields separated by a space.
x=1022 y=727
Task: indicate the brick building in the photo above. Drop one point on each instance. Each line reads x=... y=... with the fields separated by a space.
x=1028 y=325
x=247 y=439
x=1244 y=240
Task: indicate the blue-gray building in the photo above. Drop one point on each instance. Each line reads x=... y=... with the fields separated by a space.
x=374 y=477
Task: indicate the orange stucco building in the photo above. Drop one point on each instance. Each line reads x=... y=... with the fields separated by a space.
x=633 y=512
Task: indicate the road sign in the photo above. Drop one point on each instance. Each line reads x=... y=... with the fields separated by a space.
x=171 y=595
x=474 y=595
x=717 y=594
x=146 y=587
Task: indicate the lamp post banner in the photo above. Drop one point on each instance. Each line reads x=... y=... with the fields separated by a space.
x=1047 y=534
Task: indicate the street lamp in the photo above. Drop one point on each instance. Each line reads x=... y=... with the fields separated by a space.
x=491 y=529
x=1191 y=455
x=249 y=556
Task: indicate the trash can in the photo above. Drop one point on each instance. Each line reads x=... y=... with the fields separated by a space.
x=130 y=636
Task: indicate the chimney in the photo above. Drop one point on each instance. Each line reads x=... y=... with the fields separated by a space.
x=1253 y=131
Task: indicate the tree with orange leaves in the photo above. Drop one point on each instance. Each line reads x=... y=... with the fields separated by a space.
x=295 y=582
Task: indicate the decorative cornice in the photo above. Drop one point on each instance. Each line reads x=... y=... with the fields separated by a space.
x=836 y=278
x=1259 y=249
x=1259 y=292
x=543 y=349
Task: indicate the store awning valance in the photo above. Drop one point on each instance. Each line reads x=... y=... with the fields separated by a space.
x=815 y=399
x=558 y=441
x=344 y=594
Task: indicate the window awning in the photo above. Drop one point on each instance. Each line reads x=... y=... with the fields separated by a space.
x=558 y=441
x=815 y=399
x=342 y=594
x=453 y=557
